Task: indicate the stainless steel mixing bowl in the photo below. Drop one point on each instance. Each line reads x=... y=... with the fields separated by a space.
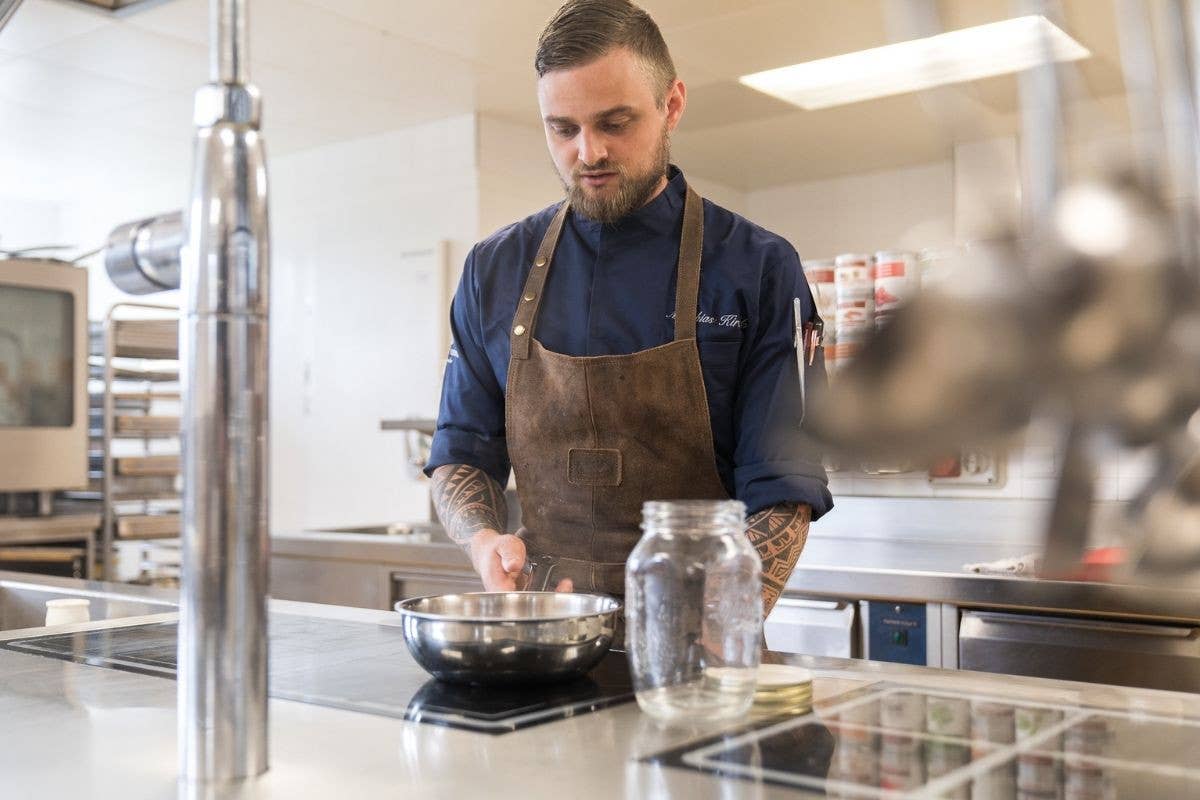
x=508 y=637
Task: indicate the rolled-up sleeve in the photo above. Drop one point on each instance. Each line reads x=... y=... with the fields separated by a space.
x=470 y=426
x=773 y=463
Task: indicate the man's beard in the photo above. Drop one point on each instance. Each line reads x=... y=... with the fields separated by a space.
x=633 y=191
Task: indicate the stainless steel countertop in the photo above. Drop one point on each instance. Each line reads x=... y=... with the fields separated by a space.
x=920 y=571
x=854 y=568
x=80 y=731
x=375 y=548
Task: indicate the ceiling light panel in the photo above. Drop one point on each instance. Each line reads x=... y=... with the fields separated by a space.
x=967 y=54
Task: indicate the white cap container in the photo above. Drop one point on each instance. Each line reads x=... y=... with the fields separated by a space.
x=68 y=610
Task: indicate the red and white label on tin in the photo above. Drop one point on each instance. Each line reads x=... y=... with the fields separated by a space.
x=897 y=279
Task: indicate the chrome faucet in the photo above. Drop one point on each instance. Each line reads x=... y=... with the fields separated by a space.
x=7 y=9
x=217 y=251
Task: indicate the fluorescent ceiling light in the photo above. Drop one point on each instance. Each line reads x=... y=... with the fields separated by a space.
x=968 y=54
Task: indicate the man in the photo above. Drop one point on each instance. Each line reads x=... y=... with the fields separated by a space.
x=571 y=366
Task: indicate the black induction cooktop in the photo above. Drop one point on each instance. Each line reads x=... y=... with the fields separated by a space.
x=354 y=666
x=888 y=741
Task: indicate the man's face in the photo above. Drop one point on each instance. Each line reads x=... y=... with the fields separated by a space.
x=609 y=139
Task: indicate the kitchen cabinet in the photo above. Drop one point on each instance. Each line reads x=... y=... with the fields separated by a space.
x=74 y=532
x=407 y=583
x=813 y=627
x=365 y=570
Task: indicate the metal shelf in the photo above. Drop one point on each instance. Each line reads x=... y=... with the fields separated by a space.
x=144 y=424
x=156 y=465
x=131 y=482
x=97 y=371
x=133 y=497
x=156 y=339
x=140 y=398
x=98 y=435
x=148 y=526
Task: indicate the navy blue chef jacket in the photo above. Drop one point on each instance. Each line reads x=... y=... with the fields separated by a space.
x=611 y=291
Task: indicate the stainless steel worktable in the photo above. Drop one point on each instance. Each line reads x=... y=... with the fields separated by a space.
x=84 y=731
x=859 y=568
x=931 y=572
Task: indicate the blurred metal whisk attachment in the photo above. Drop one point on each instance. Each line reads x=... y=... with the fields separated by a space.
x=1090 y=313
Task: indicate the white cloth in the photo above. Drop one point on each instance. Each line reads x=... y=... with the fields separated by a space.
x=1021 y=565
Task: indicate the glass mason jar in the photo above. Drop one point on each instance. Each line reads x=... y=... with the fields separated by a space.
x=693 y=611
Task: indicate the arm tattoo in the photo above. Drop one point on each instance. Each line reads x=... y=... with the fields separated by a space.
x=778 y=534
x=467 y=501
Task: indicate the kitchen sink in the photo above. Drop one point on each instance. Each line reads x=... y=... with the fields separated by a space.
x=23 y=603
x=406 y=531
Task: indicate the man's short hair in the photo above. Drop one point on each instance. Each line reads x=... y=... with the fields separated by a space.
x=583 y=30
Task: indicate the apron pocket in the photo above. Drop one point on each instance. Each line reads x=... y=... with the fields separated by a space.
x=594 y=466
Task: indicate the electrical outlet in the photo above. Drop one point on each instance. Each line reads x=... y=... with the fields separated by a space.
x=971 y=466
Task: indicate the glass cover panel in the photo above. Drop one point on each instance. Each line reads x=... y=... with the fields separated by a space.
x=36 y=358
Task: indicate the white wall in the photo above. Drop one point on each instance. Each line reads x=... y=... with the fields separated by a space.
x=516 y=175
x=726 y=196
x=910 y=208
x=357 y=315
x=87 y=217
x=28 y=222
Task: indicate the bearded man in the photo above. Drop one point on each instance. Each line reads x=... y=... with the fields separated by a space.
x=633 y=342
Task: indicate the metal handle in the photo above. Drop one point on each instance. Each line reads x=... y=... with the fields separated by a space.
x=1141 y=629
x=398 y=579
x=821 y=605
x=532 y=564
x=401 y=577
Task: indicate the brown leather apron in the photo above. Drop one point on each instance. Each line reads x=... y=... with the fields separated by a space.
x=591 y=438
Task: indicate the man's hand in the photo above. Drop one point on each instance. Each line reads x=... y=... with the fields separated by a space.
x=471 y=506
x=499 y=558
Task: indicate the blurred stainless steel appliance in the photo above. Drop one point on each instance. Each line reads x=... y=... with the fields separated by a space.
x=43 y=375
x=223 y=271
x=1089 y=312
x=142 y=256
x=7 y=9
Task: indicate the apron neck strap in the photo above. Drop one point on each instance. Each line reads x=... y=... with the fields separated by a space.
x=687 y=276
x=531 y=297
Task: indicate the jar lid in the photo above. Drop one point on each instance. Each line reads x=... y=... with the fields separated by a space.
x=782 y=676
x=783 y=688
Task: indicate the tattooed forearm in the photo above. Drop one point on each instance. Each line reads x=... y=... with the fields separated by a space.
x=468 y=501
x=778 y=534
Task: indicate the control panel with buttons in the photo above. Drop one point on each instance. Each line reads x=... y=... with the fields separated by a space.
x=895 y=632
